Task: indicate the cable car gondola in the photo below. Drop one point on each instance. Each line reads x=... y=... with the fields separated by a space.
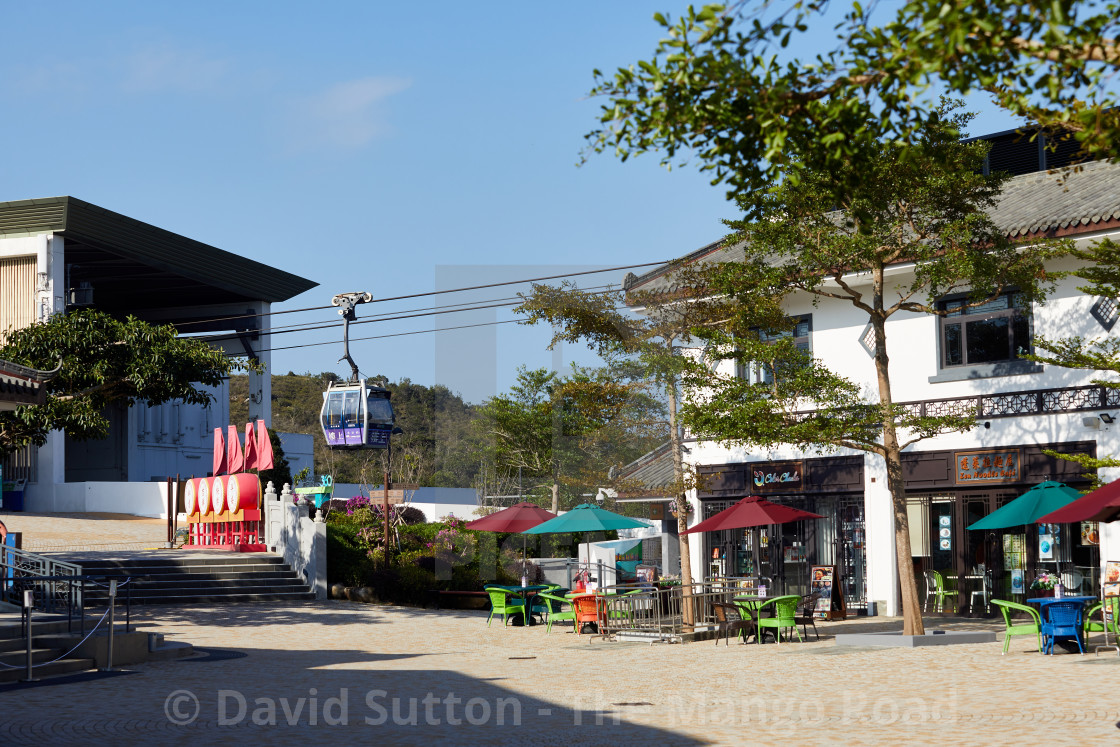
x=355 y=414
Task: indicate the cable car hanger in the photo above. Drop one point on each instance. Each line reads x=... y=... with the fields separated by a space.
x=348 y=301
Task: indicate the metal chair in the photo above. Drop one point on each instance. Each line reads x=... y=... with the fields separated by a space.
x=985 y=590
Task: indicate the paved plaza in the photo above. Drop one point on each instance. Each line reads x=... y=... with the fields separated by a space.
x=340 y=671
x=335 y=672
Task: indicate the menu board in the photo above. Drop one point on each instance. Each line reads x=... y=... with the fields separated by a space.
x=824 y=581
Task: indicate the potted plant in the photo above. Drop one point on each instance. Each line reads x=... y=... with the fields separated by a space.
x=1043 y=585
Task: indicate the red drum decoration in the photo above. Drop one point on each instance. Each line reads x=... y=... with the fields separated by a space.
x=242 y=492
x=204 y=507
x=190 y=498
x=218 y=495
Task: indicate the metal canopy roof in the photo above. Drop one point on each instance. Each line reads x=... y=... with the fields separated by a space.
x=134 y=266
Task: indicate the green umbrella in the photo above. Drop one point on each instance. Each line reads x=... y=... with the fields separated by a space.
x=1030 y=506
x=586 y=518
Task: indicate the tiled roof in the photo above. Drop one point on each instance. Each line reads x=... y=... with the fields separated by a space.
x=653 y=472
x=20 y=385
x=1080 y=200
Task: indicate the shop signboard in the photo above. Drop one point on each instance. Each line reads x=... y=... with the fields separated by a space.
x=776 y=477
x=1017 y=582
x=989 y=466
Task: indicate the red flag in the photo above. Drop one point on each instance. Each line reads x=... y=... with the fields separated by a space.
x=264 y=447
x=219 y=453
x=250 y=448
x=236 y=458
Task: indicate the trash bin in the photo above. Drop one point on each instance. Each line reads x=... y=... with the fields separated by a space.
x=11 y=499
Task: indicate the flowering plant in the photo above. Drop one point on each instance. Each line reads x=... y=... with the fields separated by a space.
x=1046 y=581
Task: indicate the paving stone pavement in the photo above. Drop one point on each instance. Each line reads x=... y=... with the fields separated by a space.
x=339 y=671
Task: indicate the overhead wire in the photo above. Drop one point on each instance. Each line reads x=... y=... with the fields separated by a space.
x=421 y=295
x=333 y=325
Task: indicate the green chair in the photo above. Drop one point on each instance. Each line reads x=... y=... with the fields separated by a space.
x=785 y=616
x=505 y=603
x=935 y=587
x=1097 y=625
x=552 y=608
x=1032 y=628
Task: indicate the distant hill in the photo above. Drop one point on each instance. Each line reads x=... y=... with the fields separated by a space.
x=437 y=449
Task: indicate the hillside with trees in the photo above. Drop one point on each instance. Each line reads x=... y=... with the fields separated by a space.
x=438 y=447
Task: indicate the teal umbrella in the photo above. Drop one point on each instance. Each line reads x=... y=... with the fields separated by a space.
x=1030 y=506
x=586 y=518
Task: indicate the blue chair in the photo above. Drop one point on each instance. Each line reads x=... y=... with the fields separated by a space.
x=1062 y=619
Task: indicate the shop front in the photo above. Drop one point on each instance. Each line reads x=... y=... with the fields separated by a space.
x=948 y=491
x=782 y=556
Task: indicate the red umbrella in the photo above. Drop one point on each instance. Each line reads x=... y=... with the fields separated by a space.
x=1103 y=504
x=516 y=518
x=752 y=511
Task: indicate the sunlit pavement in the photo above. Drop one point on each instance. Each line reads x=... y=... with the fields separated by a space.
x=286 y=674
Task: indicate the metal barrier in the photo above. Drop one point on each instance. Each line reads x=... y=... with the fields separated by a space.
x=57 y=591
x=633 y=612
x=20 y=567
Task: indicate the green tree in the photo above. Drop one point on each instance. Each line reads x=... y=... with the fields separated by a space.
x=104 y=360
x=653 y=340
x=1100 y=353
x=562 y=433
x=725 y=87
x=924 y=204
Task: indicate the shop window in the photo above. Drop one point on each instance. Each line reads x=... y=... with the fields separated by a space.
x=763 y=372
x=985 y=340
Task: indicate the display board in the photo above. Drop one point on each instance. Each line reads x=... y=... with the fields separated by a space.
x=824 y=580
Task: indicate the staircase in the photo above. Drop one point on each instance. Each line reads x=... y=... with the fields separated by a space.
x=200 y=578
x=13 y=651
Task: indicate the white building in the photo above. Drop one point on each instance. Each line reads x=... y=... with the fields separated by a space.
x=952 y=480
x=59 y=253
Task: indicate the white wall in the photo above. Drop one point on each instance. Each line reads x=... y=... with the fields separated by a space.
x=135 y=498
x=912 y=341
x=434 y=502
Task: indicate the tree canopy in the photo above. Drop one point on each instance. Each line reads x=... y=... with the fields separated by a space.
x=105 y=360
x=913 y=230
x=732 y=87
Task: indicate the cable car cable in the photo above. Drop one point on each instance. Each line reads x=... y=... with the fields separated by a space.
x=420 y=295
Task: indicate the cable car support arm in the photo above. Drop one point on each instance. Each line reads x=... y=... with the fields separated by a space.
x=347 y=302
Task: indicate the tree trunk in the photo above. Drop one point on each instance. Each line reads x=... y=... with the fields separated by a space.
x=555 y=497
x=911 y=607
x=682 y=509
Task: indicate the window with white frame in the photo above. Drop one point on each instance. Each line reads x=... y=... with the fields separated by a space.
x=994 y=332
x=762 y=372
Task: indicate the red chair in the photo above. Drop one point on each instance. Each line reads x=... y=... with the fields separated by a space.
x=589 y=608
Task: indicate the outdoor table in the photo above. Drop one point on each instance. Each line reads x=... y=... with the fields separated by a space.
x=753 y=603
x=1044 y=602
x=529 y=592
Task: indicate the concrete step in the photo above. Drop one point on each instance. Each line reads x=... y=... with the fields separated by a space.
x=218 y=597
x=63 y=666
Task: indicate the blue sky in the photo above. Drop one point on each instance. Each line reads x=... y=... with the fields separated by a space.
x=394 y=148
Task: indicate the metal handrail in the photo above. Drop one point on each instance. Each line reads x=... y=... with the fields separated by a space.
x=15 y=580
